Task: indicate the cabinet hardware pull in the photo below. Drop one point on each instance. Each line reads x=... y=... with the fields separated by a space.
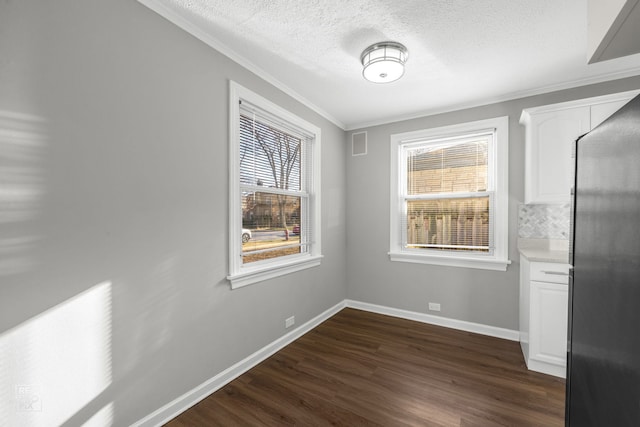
x=556 y=273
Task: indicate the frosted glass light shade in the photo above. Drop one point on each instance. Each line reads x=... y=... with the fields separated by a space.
x=384 y=62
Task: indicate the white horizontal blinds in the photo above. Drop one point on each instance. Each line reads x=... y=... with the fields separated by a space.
x=270 y=150
x=275 y=178
x=448 y=202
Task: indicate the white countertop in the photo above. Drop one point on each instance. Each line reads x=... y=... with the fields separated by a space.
x=544 y=250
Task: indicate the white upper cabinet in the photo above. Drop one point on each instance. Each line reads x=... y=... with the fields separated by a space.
x=548 y=152
x=550 y=133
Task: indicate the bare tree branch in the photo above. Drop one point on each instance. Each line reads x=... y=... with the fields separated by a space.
x=281 y=153
x=270 y=155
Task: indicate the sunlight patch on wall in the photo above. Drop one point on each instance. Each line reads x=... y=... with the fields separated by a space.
x=22 y=142
x=54 y=364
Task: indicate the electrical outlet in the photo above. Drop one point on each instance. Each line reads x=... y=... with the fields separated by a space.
x=434 y=306
x=290 y=321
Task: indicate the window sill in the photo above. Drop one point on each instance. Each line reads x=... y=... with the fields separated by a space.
x=465 y=262
x=250 y=276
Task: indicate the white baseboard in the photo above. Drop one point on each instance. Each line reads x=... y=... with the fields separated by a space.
x=547 y=368
x=462 y=325
x=190 y=398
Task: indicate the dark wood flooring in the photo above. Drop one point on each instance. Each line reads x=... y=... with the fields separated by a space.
x=360 y=368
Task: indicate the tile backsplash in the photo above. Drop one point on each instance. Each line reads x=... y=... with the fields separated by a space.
x=543 y=221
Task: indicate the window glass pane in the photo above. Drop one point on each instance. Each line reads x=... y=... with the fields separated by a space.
x=448 y=168
x=450 y=224
x=269 y=156
x=271 y=226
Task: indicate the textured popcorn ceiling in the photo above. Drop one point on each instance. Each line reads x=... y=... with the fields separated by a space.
x=461 y=52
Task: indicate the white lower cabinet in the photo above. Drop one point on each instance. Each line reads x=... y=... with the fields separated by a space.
x=543 y=316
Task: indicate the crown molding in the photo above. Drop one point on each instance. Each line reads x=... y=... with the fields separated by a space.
x=180 y=21
x=632 y=72
x=172 y=16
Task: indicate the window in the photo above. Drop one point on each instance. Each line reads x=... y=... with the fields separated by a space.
x=274 y=190
x=449 y=195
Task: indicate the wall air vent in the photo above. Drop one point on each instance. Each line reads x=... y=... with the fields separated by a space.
x=359 y=144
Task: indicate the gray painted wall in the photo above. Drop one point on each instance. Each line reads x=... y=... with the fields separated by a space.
x=480 y=296
x=124 y=182
x=128 y=186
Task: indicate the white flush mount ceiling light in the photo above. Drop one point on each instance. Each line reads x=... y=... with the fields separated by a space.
x=384 y=62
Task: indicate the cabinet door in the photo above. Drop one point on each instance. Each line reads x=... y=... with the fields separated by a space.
x=548 y=154
x=548 y=328
x=601 y=112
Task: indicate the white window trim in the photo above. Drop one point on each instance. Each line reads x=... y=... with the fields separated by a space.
x=242 y=275
x=496 y=261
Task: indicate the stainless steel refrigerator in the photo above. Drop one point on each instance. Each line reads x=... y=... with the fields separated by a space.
x=603 y=354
